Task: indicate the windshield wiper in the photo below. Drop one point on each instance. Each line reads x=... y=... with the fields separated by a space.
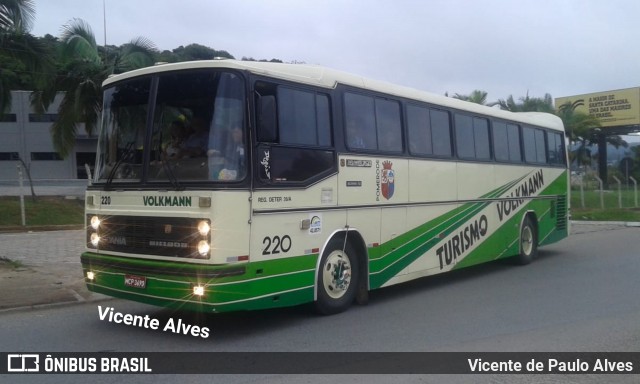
x=167 y=168
x=128 y=150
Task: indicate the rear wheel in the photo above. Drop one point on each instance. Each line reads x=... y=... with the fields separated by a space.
x=338 y=276
x=528 y=242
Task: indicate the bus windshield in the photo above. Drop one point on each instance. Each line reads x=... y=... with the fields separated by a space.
x=182 y=126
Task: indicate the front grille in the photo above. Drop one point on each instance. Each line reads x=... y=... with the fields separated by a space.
x=158 y=236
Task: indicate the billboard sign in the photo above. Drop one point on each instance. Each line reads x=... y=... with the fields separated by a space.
x=613 y=108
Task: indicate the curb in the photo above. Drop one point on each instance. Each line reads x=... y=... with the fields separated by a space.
x=54 y=305
x=40 y=228
x=618 y=223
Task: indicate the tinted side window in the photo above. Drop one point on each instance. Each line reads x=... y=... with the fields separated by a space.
x=389 y=125
x=303 y=117
x=372 y=123
x=419 y=129
x=529 y=144
x=441 y=132
x=534 y=145
x=359 y=112
x=506 y=142
x=323 y=120
x=294 y=164
x=464 y=136
x=541 y=152
x=481 y=138
x=294 y=148
x=513 y=133
x=500 y=141
x=472 y=137
x=429 y=131
x=555 y=148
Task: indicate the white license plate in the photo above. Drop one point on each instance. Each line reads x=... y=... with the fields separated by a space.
x=135 y=281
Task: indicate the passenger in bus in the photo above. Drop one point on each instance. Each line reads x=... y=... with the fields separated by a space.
x=234 y=161
x=354 y=135
x=196 y=143
x=176 y=145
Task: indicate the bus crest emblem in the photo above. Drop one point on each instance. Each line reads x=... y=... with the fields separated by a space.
x=388 y=178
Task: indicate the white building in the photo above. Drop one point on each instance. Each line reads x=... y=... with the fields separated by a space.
x=27 y=135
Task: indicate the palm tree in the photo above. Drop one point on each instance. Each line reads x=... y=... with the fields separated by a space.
x=17 y=14
x=580 y=128
x=84 y=66
x=477 y=96
x=20 y=53
x=583 y=128
x=528 y=104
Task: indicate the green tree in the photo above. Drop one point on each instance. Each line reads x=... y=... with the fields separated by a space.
x=24 y=59
x=477 y=96
x=83 y=68
x=199 y=52
x=583 y=129
x=17 y=15
x=528 y=104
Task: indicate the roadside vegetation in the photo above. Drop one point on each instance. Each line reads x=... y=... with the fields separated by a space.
x=10 y=264
x=44 y=211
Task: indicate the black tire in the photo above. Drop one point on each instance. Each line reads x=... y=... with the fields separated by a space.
x=528 y=241
x=338 y=278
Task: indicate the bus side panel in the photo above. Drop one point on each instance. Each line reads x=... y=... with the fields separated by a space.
x=406 y=246
x=230 y=228
x=474 y=180
x=285 y=244
x=475 y=232
x=510 y=218
x=432 y=181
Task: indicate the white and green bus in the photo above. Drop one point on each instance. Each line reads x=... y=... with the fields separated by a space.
x=225 y=185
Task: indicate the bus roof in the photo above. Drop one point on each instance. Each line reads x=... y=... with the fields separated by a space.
x=330 y=78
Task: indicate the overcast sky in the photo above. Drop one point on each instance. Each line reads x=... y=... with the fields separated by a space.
x=504 y=47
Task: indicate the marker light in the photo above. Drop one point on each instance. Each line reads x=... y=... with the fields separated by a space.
x=91 y=276
x=198 y=290
x=95 y=239
x=204 y=228
x=203 y=247
x=95 y=222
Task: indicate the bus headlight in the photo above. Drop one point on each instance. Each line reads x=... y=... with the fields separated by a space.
x=91 y=276
x=204 y=228
x=203 y=247
x=95 y=239
x=95 y=222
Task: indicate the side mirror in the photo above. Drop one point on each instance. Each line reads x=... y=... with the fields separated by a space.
x=267 y=120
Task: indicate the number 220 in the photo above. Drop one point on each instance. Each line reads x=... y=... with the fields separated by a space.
x=276 y=244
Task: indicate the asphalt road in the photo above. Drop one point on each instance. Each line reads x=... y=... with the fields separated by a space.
x=580 y=295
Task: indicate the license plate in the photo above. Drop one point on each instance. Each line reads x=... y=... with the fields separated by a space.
x=135 y=281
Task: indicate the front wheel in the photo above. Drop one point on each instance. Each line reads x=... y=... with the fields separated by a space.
x=528 y=242
x=338 y=276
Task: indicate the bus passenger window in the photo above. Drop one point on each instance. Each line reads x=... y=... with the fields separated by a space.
x=513 y=137
x=360 y=121
x=419 y=128
x=500 y=141
x=441 y=132
x=534 y=145
x=464 y=137
x=388 y=125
